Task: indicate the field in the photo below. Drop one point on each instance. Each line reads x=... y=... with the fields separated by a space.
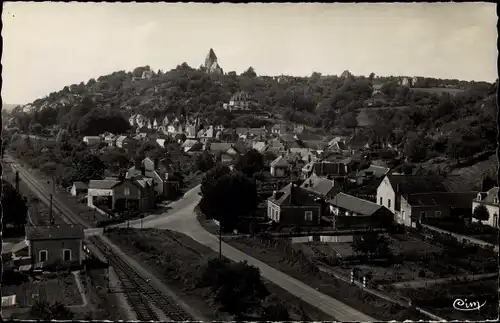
x=439 y=299
x=51 y=288
x=283 y=256
x=180 y=267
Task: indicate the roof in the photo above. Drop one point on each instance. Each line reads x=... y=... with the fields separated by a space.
x=220 y=146
x=80 y=185
x=54 y=232
x=121 y=138
x=450 y=199
x=374 y=170
x=315 y=144
x=319 y=185
x=326 y=168
x=103 y=184
x=294 y=195
x=308 y=136
x=406 y=184
x=259 y=146
x=287 y=137
x=490 y=195
x=354 y=204
x=280 y=162
x=189 y=143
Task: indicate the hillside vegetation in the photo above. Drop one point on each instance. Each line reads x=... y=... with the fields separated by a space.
x=434 y=123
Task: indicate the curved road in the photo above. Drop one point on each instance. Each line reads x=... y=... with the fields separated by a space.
x=181 y=218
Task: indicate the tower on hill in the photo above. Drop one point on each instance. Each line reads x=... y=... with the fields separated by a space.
x=211 y=64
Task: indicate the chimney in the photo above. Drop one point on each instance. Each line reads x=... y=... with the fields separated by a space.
x=275 y=194
x=292 y=190
x=397 y=188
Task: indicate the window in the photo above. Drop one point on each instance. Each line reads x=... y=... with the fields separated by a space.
x=495 y=220
x=381 y=202
x=422 y=214
x=403 y=215
x=66 y=255
x=308 y=216
x=495 y=200
x=389 y=203
x=43 y=255
x=127 y=191
x=437 y=213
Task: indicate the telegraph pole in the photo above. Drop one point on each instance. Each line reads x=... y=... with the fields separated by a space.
x=51 y=214
x=220 y=239
x=17 y=181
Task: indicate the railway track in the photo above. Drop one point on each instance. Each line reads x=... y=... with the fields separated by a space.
x=136 y=288
x=136 y=285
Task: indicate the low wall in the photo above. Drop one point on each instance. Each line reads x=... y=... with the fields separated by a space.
x=462 y=238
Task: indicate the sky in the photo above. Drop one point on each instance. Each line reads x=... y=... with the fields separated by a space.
x=49 y=45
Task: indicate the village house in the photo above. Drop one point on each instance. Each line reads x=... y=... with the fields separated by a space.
x=279 y=129
x=110 y=140
x=78 y=188
x=330 y=170
x=148 y=74
x=206 y=134
x=377 y=87
x=488 y=199
x=55 y=245
x=164 y=183
x=394 y=187
x=240 y=101
x=251 y=133
x=119 y=194
x=347 y=211
x=125 y=142
x=293 y=205
x=338 y=144
x=280 y=167
x=192 y=146
x=92 y=140
x=321 y=187
x=418 y=206
x=260 y=146
x=373 y=171
x=406 y=82
x=226 y=135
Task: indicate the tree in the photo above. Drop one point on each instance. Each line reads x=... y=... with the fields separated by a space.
x=250 y=72
x=250 y=163
x=231 y=196
x=481 y=213
x=36 y=129
x=212 y=176
x=14 y=208
x=89 y=167
x=274 y=309
x=416 y=148
x=238 y=288
x=370 y=244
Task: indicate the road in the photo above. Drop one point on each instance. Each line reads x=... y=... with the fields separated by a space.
x=181 y=218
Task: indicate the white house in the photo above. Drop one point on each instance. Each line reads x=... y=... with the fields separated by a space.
x=394 y=187
x=239 y=101
x=490 y=201
x=91 y=140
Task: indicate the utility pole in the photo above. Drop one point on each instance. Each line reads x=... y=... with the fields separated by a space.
x=220 y=239
x=51 y=214
x=17 y=181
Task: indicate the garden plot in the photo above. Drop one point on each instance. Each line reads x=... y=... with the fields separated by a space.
x=50 y=288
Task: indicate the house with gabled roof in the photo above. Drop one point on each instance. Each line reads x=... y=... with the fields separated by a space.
x=394 y=187
x=350 y=211
x=321 y=186
x=55 y=245
x=293 y=205
x=489 y=200
x=280 y=167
